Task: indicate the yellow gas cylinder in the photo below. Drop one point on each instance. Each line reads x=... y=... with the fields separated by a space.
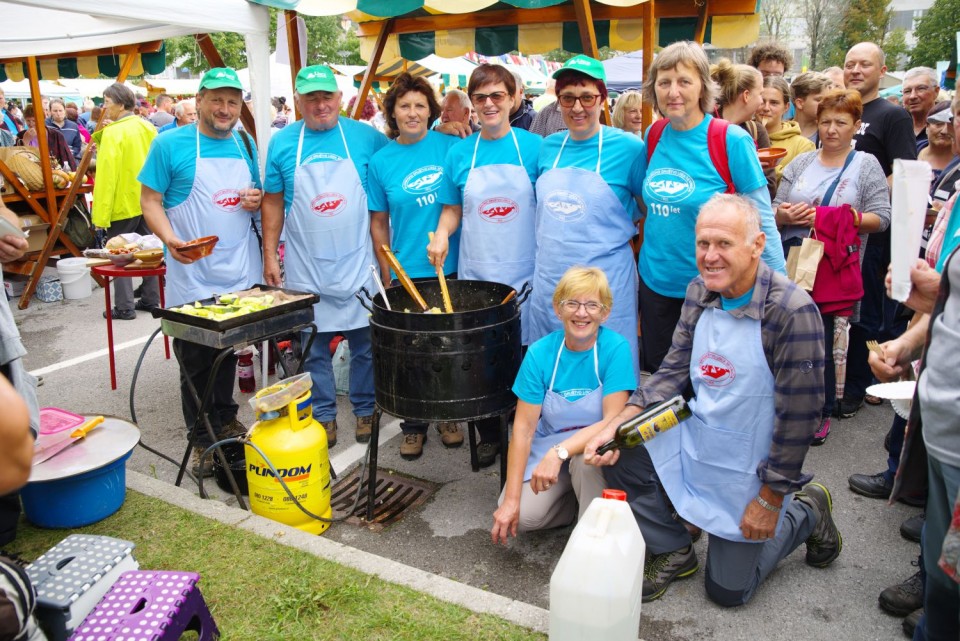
x=297 y=446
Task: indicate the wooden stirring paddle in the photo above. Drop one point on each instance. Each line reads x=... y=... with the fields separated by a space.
x=447 y=303
x=403 y=278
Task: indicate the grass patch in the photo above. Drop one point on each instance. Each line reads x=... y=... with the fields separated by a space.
x=259 y=590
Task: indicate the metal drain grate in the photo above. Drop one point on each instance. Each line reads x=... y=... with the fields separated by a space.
x=395 y=495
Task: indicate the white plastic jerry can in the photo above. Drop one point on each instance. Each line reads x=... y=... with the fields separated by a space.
x=596 y=587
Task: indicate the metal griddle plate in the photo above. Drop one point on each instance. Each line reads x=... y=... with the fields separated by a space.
x=239 y=329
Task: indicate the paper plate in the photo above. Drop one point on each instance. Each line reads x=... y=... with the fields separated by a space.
x=898 y=391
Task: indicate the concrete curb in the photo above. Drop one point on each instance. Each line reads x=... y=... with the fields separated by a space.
x=479 y=601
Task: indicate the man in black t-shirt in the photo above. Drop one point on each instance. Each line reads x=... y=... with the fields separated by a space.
x=886 y=132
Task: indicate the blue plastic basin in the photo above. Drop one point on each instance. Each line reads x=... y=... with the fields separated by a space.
x=77 y=500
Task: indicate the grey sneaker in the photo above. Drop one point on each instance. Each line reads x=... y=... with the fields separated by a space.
x=662 y=569
x=903 y=598
x=450 y=434
x=364 y=428
x=824 y=543
x=330 y=427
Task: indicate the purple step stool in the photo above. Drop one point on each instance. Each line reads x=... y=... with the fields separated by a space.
x=149 y=605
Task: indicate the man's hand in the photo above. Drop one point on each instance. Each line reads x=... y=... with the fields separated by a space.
x=12 y=248
x=590 y=450
x=454 y=128
x=251 y=198
x=758 y=523
x=924 y=286
x=271 y=271
x=172 y=245
x=897 y=356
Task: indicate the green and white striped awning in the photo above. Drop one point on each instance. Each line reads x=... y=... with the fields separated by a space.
x=86 y=66
x=730 y=24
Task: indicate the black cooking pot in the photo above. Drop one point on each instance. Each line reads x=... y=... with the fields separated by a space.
x=446 y=367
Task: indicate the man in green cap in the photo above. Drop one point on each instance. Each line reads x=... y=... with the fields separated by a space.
x=202 y=179
x=317 y=174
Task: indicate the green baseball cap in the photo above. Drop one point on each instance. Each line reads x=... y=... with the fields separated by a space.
x=316 y=78
x=220 y=77
x=585 y=65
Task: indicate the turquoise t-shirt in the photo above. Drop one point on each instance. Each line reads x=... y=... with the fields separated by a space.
x=490 y=152
x=951 y=238
x=735 y=303
x=576 y=376
x=623 y=165
x=318 y=146
x=171 y=164
x=403 y=180
x=680 y=178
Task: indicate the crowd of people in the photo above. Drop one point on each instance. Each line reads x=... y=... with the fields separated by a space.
x=708 y=306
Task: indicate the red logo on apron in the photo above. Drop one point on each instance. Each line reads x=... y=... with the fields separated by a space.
x=498 y=210
x=716 y=371
x=328 y=204
x=227 y=200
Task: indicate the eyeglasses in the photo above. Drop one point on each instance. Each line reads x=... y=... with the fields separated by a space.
x=481 y=98
x=592 y=307
x=917 y=89
x=587 y=99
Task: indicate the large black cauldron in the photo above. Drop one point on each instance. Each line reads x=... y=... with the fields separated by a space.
x=446 y=367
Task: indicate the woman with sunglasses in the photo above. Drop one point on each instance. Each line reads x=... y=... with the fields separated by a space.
x=487 y=188
x=586 y=213
x=681 y=177
x=569 y=383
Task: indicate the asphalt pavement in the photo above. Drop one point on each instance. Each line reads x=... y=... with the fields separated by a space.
x=449 y=534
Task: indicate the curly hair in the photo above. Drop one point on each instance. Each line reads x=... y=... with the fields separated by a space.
x=404 y=84
x=771 y=51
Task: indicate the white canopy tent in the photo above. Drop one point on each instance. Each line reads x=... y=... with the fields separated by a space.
x=50 y=27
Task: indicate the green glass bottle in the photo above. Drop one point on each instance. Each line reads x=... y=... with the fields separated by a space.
x=648 y=424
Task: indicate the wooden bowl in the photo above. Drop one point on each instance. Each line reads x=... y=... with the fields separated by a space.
x=770 y=156
x=197 y=249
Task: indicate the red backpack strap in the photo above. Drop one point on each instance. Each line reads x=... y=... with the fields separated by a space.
x=717 y=146
x=653 y=135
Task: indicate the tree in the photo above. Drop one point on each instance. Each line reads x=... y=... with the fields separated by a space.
x=896 y=49
x=820 y=18
x=862 y=21
x=936 y=34
x=773 y=13
x=230 y=45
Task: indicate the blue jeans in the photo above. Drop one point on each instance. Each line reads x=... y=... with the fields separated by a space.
x=319 y=362
x=941 y=597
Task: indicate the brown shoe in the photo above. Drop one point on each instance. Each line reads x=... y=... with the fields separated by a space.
x=412 y=446
x=207 y=470
x=450 y=434
x=233 y=429
x=364 y=428
x=330 y=427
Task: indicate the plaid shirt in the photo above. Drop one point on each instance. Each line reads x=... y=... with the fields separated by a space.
x=791 y=331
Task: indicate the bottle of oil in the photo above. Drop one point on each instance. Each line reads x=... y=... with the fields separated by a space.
x=648 y=424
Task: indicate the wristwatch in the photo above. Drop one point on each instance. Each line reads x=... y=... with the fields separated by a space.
x=562 y=452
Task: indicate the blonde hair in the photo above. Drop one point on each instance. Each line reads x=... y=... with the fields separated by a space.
x=625 y=102
x=579 y=280
x=686 y=53
x=733 y=79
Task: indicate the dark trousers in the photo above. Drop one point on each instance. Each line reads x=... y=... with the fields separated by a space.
x=196 y=361
x=878 y=316
x=123 y=287
x=659 y=316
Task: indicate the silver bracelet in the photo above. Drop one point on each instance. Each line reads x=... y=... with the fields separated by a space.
x=767 y=506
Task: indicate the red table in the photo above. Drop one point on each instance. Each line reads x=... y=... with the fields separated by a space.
x=109 y=272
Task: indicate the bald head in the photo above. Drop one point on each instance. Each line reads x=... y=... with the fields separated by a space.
x=863 y=67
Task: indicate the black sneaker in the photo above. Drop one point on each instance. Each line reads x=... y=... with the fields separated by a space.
x=116 y=314
x=663 y=569
x=144 y=307
x=824 y=543
x=487 y=453
x=847 y=407
x=903 y=598
x=911 y=528
x=874 y=486
x=910 y=622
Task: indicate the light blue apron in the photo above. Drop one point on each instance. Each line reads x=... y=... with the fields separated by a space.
x=213 y=209
x=328 y=244
x=580 y=221
x=708 y=466
x=498 y=241
x=558 y=416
